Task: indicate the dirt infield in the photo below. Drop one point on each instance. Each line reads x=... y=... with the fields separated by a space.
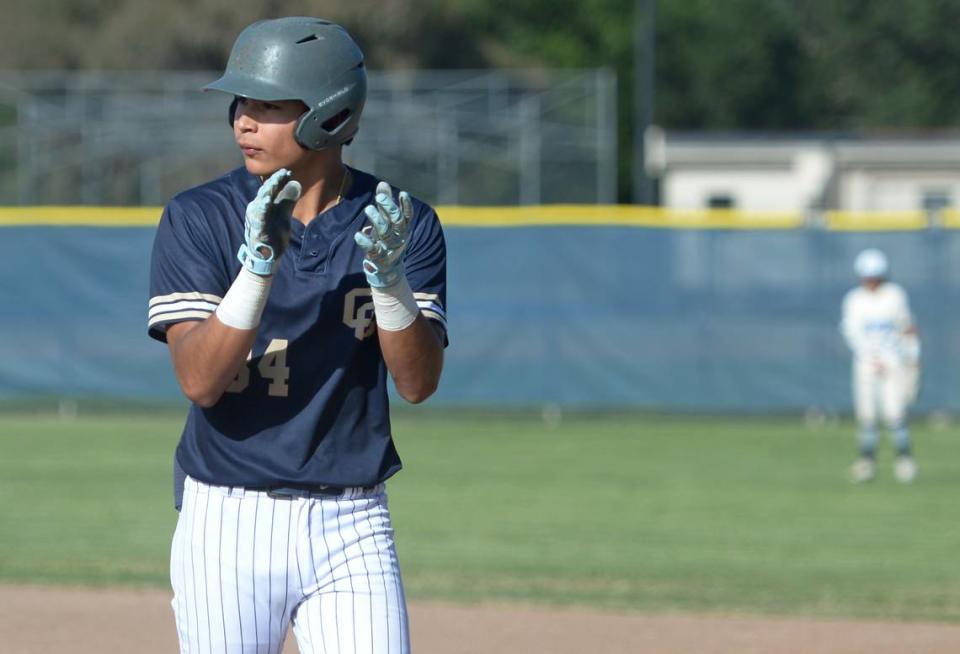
x=42 y=619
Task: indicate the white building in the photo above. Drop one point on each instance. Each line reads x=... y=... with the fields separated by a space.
x=762 y=172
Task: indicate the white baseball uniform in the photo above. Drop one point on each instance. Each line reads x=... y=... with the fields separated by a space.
x=876 y=325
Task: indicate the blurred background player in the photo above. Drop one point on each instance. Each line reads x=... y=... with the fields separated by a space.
x=287 y=290
x=880 y=331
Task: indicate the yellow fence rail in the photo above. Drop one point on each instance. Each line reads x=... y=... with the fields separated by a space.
x=535 y=216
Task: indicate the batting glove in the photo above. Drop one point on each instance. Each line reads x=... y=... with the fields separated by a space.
x=385 y=238
x=266 y=230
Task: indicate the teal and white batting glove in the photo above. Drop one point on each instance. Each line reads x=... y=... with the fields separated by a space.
x=266 y=230
x=385 y=238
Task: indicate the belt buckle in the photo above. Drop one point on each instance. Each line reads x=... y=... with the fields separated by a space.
x=288 y=493
x=281 y=493
x=329 y=491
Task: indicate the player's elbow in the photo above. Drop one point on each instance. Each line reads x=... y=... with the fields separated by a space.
x=205 y=401
x=418 y=392
x=416 y=398
x=203 y=395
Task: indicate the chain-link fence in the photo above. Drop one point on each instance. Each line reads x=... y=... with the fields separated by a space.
x=451 y=137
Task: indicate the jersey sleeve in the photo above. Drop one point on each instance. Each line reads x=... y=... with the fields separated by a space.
x=425 y=262
x=848 y=321
x=186 y=282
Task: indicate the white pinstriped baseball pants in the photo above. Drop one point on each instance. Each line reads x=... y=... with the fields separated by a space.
x=244 y=565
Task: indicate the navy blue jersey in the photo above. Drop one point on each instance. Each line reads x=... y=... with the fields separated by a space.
x=310 y=407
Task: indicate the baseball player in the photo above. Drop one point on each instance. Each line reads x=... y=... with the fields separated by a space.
x=880 y=331
x=286 y=291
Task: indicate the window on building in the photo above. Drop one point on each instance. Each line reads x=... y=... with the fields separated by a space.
x=721 y=201
x=936 y=199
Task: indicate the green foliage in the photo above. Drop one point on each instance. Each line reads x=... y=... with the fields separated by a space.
x=737 y=64
x=884 y=64
x=626 y=511
x=563 y=33
x=198 y=34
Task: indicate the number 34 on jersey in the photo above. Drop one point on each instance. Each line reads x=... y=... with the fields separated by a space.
x=272 y=366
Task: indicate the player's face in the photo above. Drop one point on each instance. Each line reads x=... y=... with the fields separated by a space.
x=264 y=131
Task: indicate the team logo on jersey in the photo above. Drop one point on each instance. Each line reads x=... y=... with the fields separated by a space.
x=358 y=313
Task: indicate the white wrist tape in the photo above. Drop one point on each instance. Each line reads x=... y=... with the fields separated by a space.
x=243 y=304
x=394 y=306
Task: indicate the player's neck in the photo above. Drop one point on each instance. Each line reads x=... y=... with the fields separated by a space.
x=323 y=188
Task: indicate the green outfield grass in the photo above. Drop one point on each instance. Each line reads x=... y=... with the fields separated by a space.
x=617 y=511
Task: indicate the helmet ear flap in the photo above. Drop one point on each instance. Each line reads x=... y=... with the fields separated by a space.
x=233 y=110
x=338 y=129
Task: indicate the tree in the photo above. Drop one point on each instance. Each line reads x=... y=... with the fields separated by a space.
x=886 y=65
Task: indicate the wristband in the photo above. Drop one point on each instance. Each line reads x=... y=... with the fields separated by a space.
x=394 y=306
x=254 y=262
x=243 y=304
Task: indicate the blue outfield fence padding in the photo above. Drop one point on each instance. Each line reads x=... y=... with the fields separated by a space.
x=582 y=316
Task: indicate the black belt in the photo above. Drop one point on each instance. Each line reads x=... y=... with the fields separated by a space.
x=290 y=492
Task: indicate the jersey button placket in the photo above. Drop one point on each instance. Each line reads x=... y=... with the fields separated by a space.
x=309 y=250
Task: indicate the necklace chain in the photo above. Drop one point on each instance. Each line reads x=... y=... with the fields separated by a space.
x=343 y=183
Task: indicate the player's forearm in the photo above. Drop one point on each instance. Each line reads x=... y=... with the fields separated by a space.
x=414 y=357
x=207 y=356
x=411 y=348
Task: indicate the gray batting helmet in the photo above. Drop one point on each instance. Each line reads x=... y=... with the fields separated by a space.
x=307 y=59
